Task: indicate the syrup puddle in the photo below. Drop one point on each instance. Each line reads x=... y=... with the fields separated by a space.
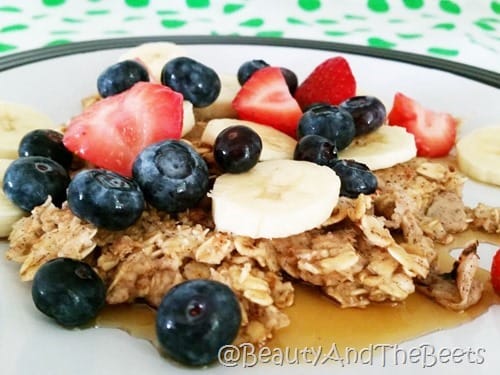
x=318 y=321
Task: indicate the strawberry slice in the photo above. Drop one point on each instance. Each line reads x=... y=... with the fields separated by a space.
x=434 y=132
x=330 y=82
x=112 y=132
x=266 y=99
x=495 y=272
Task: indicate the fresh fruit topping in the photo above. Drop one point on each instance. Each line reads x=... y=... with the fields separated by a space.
x=356 y=178
x=195 y=319
x=9 y=212
x=330 y=82
x=291 y=79
x=48 y=143
x=188 y=119
x=248 y=68
x=197 y=82
x=495 y=272
x=316 y=149
x=329 y=121
x=382 y=148
x=368 y=113
x=237 y=149
x=105 y=199
x=172 y=175
x=15 y=121
x=68 y=291
x=275 y=144
x=434 y=132
x=223 y=105
x=276 y=198
x=120 y=77
x=154 y=55
x=478 y=155
x=111 y=132
x=266 y=99
x=29 y=181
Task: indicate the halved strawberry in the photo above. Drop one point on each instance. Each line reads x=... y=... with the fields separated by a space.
x=266 y=99
x=434 y=132
x=330 y=82
x=112 y=132
x=495 y=272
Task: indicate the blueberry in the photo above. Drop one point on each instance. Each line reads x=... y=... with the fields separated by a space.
x=316 y=149
x=120 y=77
x=29 y=181
x=355 y=178
x=48 y=143
x=69 y=291
x=197 y=82
x=367 y=112
x=248 y=68
x=237 y=149
x=291 y=79
x=105 y=199
x=329 y=121
x=172 y=175
x=195 y=319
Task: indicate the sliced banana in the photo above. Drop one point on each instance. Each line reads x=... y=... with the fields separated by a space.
x=222 y=107
x=15 y=121
x=382 y=148
x=154 y=56
x=9 y=212
x=188 y=120
x=276 y=198
x=478 y=155
x=275 y=144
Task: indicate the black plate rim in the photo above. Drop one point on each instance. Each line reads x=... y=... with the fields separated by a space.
x=17 y=59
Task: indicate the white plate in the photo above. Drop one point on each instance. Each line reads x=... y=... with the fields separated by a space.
x=31 y=344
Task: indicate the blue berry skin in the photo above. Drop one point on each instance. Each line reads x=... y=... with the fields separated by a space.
x=368 y=113
x=105 y=199
x=68 y=291
x=29 y=181
x=291 y=79
x=172 y=175
x=248 y=68
x=48 y=143
x=237 y=149
x=355 y=178
x=120 y=77
x=316 y=149
x=195 y=319
x=197 y=82
x=329 y=121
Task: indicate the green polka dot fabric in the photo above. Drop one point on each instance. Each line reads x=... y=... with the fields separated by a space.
x=467 y=31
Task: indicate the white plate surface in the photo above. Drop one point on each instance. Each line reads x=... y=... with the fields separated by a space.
x=31 y=344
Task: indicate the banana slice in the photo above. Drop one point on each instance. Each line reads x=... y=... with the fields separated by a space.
x=276 y=198
x=222 y=107
x=275 y=144
x=383 y=148
x=154 y=56
x=9 y=212
x=478 y=155
x=188 y=120
x=15 y=121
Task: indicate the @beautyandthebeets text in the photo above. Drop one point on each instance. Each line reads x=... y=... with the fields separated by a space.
x=379 y=355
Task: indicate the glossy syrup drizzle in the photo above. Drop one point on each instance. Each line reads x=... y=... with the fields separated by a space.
x=316 y=320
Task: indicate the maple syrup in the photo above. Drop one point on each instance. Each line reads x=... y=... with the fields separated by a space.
x=316 y=320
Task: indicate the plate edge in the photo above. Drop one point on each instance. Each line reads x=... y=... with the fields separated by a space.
x=487 y=77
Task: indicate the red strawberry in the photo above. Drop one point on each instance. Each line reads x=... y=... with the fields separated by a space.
x=434 y=132
x=112 y=132
x=495 y=272
x=330 y=82
x=266 y=99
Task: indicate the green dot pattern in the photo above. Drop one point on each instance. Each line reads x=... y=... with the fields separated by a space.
x=461 y=30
